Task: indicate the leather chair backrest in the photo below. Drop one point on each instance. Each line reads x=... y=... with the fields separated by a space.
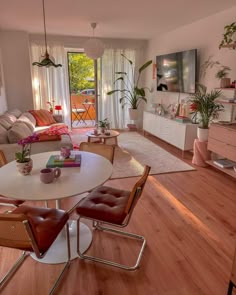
x=137 y=190
x=105 y=150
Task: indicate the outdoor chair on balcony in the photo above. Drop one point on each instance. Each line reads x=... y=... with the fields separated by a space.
x=108 y=205
x=78 y=114
x=4 y=200
x=32 y=229
x=105 y=150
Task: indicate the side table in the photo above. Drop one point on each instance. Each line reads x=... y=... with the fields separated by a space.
x=58 y=118
x=200 y=153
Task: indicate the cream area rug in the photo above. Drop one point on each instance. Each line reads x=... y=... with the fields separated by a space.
x=135 y=151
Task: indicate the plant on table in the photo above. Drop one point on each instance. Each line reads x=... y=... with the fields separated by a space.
x=103 y=124
x=204 y=104
x=25 y=143
x=51 y=104
x=131 y=93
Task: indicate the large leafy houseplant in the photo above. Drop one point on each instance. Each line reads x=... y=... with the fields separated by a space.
x=131 y=93
x=203 y=103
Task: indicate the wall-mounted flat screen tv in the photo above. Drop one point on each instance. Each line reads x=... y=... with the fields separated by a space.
x=176 y=72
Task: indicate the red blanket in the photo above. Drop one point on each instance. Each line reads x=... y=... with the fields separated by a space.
x=53 y=133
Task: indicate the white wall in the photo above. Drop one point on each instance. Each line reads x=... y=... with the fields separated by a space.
x=3 y=100
x=205 y=35
x=16 y=68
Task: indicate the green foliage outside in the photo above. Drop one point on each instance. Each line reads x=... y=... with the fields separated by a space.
x=81 y=71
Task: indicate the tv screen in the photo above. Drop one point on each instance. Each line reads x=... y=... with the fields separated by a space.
x=176 y=72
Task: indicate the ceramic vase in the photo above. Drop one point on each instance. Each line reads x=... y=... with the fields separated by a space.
x=25 y=168
x=202 y=134
x=133 y=114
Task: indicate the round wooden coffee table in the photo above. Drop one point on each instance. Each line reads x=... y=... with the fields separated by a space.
x=103 y=137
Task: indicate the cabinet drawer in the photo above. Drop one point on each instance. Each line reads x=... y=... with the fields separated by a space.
x=223 y=134
x=223 y=149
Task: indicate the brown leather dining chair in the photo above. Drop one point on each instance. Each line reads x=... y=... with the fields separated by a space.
x=112 y=206
x=232 y=281
x=105 y=150
x=4 y=200
x=32 y=229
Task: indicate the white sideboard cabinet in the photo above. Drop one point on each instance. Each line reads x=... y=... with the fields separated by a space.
x=181 y=135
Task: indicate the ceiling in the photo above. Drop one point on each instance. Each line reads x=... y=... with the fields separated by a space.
x=116 y=19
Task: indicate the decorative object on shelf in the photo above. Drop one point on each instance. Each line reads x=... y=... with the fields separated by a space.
x=94 y=48
x=51 y=103
x=47 y=61
x=58 y=108
x=204 y=104
x=222 y=76
x=155 y=107
x=229 y=36
x=129 y=90
x=24 y=163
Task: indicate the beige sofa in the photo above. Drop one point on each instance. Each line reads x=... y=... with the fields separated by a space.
x=15 y=125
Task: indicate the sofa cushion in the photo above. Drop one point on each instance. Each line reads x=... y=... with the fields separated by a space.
x=18 y=131
x=27 y=121
x=7 y=120
x=3 y=135
x=43 y=117
x=15 y=112
x=30 y=117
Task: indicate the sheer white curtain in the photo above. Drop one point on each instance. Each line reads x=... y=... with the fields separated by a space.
x=109 y=106
x=50 y=84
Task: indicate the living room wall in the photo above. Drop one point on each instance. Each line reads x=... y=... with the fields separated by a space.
x=205 y=35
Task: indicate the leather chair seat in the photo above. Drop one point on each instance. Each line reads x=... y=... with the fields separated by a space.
x=45 y=223
x=5 y=200
x=105 y=203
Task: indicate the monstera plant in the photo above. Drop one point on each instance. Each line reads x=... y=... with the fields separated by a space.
x=131 y=93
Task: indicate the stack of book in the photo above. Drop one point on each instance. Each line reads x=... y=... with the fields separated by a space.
x=224 y=163
x=182 y=119
x=58 y=161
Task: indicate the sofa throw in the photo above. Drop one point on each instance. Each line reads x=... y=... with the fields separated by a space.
x=43 y=117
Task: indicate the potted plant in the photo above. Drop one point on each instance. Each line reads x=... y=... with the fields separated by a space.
x=222 y=76
x=204 y=103
x=130 y=91
x=229 y=36
x=24 y=163
x=103 y=124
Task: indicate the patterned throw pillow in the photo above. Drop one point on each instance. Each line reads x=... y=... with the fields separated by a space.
x=43 y=117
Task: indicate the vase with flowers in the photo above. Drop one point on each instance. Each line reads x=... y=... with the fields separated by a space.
x=51 y=106
x=24 y=163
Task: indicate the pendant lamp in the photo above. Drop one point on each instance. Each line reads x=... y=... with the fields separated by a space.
x=47 y=61
x=94 y=48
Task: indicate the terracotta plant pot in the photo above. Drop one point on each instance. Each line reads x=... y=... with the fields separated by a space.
x=25 y=168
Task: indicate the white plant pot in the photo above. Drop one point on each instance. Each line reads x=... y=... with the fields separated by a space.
x=133 y=114
x=202 y=134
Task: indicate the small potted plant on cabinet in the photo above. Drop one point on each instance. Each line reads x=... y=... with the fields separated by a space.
x=204 y=103
x=130 y=91
x=222 y=76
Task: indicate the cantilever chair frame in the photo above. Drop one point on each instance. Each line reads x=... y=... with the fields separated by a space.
x=31 y=239
x=98 y=224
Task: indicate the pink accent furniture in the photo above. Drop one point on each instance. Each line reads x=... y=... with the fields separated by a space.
x=200 y=153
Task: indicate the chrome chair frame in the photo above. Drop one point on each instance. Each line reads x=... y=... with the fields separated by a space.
x=99 y=225
x=40 y=255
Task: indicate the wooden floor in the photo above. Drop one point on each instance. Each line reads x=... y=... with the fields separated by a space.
x=189 y=221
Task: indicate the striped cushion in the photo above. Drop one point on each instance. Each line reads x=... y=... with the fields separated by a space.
x=42 y=117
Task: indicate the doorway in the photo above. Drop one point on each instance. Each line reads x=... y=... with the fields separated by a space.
x=82 y=87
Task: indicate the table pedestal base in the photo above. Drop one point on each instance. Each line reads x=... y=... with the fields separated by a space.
x=58 y=251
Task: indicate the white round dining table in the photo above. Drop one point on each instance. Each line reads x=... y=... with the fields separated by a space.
x=93 y=171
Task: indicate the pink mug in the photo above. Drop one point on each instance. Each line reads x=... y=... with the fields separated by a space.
x=65 y=152
x=47 y=175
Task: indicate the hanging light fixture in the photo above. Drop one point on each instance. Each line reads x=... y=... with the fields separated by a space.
x=94 y=47
x=46 y=60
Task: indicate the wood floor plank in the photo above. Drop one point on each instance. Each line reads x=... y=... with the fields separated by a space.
x=189 y=221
